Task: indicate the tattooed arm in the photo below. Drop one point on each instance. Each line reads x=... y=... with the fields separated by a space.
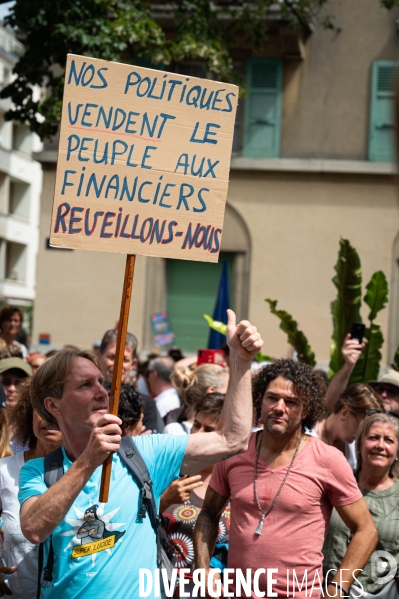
x=206 y=529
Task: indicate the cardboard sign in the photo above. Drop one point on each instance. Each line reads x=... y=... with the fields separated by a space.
x=143 y=163
x=44 y=338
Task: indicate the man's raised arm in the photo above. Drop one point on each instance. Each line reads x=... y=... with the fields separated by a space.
x=232 y=433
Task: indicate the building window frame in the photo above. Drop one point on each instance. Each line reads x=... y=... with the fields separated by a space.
x=381 y=146
x=269 y=86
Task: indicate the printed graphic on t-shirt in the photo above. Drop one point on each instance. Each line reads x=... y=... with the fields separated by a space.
x=93 y=531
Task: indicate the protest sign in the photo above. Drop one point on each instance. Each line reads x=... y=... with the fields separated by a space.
x=143 y=168
x=163 y=334
x=143 y=162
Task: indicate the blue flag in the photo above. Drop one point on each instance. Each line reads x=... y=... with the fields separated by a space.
x=222 y=304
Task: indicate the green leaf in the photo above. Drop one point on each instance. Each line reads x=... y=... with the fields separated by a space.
x=395 y=363
x=345 y=308
x=262 y=358
x=216 y=325
x=368 y=365
x=377 y=293
x=295 y=337
x=220 y=327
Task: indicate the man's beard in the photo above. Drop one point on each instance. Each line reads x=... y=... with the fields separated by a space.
x=289 y=430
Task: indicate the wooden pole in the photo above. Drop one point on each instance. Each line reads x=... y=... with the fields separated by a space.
x=118 y=364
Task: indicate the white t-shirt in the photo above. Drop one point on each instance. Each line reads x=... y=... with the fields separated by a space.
x=167 y=401
x=177 y=428
x=17 y=549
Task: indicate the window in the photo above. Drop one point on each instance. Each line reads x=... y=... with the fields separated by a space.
x=5 y=75
x=22 y=139
x=19 y=199
x=263 y=108
x=192 y=289
x=15 y=261
x=384 y=75
x=4 y=186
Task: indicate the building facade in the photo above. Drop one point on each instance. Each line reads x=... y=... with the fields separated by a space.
x=313 y=160
x=20 y=192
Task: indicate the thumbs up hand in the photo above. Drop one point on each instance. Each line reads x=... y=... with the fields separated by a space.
x=242 y=338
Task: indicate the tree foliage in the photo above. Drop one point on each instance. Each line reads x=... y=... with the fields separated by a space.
x=389 y=3
x=395 y=363
x=122 y=29
x=377 y=294
x=296 y=338
x=345 y=308
x=368 y=365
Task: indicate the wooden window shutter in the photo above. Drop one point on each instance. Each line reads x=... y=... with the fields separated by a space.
x=263 y=108
x=384 y=76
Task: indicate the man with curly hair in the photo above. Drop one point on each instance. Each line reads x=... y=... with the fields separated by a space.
x=282 y=491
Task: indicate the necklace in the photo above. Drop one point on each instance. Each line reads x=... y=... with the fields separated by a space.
x=259 y=529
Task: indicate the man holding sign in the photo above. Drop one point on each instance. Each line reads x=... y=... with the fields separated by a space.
x=143 y=168
x=100 y=548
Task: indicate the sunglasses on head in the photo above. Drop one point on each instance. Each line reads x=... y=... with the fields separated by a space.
x=371 y=412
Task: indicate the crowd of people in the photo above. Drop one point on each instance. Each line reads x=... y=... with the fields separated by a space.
x=251 y=469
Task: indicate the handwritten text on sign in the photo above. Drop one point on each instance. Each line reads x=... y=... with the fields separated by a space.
x=143 y=163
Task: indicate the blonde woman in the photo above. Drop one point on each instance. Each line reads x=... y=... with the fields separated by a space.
x=377 y=447
x=192 y=386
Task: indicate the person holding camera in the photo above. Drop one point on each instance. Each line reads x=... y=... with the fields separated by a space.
x=387 y=387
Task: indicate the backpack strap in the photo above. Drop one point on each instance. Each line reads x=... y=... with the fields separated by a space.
x=53 y=467
x=39 y=571
x=185 y=427
x=53 y=471
x=131 y=456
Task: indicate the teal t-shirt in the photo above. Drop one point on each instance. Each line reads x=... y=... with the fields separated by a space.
x=99 y=548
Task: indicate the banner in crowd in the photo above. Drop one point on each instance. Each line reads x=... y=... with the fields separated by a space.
x=161 y=328
x=143 y=162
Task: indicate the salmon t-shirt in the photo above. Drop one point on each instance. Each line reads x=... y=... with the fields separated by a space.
x=293 y=533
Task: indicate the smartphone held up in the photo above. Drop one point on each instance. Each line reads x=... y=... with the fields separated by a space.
x=357 y=331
